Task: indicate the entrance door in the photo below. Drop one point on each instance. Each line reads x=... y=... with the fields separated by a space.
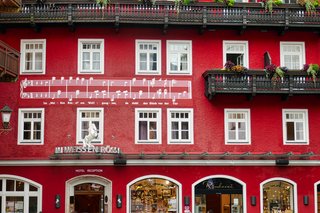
x=89 y=198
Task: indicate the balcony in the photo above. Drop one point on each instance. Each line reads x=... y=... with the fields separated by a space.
x=9 y=62
x=256 y=82
x=202 y=15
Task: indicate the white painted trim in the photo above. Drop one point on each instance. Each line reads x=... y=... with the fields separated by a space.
x=21 y=121
x=306 y=126
x=180 y=203
x=295 y=191
x=246 y=54
x=29 y=193
x=316 y=196
x=159 y=54
x=244 y=189
x=101 y=127
x=95 y=40
x=191 y=126
x=189 y=70
x=159 y=125
x=86 y=179
x=303 y=53
x=22 y=59
x=248 y=126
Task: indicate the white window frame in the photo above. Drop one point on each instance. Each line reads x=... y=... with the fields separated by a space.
x=157 y=120
x=170 y=53
x=80 y=59
x=247 y=121
x=245 y=53
x=302 y=55
x=305 y=140
x=33 y=71
x=158 y=52
x=21 y=140
x=99 y=140
x=179 y=120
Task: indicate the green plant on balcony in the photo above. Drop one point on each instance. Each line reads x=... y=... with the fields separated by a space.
x=312 y=70
x=177 y=2
x=268 y=4
x=230 y=66
x=229 y=3
x=310 y=5
x=275 y=73
x=103 y=2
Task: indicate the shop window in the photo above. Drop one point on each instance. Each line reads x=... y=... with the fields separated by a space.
x=154 y=195
x=295 y=127
x=179 y=57
x=148 y=126
x=180 y=126
x=90 y=56
x=16 y=196
x=31 y=126
x=236 y=52
x=219 y=195
x=148 y=58
x=292 y=55
x=237 y=126
x=86 y=117
x=278 y=196
x=33 y=56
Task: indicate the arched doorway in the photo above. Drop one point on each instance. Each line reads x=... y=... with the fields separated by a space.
x=219 y=194
x=18 y=194
x=278 y=194
x=154 y=193
x=88 y=193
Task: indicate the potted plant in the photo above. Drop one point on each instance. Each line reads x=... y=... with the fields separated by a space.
x=310 y=5
x=268 y=4
x=230 y=66
x=313 y=70
x=275 y=73
x=103 y=2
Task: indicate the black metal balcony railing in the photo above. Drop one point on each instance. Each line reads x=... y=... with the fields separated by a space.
x=164 y=13
x=9 y=62
x=256 y=82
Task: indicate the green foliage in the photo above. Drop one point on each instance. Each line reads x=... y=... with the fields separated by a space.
x=103 y=2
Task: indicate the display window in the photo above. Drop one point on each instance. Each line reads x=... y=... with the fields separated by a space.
x=154 y=195
x=221 y=195
x=19 y=195
x=278 y=197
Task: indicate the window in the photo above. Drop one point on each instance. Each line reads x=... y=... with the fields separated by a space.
x=295 y=126
x=31 y=126
x=33 y=56
x=292 y=55
x=90 y=56
x=237 y=126
x=180 y=126
x=236 y=51
x=19 y=195
x=148 y=126
x=179 y=57
x=148 y=57
x=86 y=117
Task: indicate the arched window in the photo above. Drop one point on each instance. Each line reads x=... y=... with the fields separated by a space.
x=219 y=194
x=18 y=194
x=154 y=194
x=278 y=195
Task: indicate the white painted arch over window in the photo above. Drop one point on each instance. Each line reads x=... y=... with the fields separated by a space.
x=244 y=189
x=180 y=209
x=295 y=201
x=316 y=196
x=26 y=193
x=71 y=183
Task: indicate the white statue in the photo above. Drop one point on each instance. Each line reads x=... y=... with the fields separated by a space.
x=93 y=134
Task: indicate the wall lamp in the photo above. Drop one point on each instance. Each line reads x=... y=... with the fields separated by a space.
x=5 y=114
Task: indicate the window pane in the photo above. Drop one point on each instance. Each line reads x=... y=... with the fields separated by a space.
x=290 y=131
x=143 y=130
x=174 y=134
x=19 y=186
x=27 y=126
x=33 y=204
x=38 y=61
x=175 y=125
x=33 y=188
x=153 y=130
x=185 y=135
x=10 y=185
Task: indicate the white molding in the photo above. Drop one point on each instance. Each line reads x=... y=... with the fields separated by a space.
x=316 y=196
x=180 y=203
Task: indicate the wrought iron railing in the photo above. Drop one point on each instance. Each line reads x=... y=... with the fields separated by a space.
x=9 y=61
x=256 y=82
x=164 y=13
